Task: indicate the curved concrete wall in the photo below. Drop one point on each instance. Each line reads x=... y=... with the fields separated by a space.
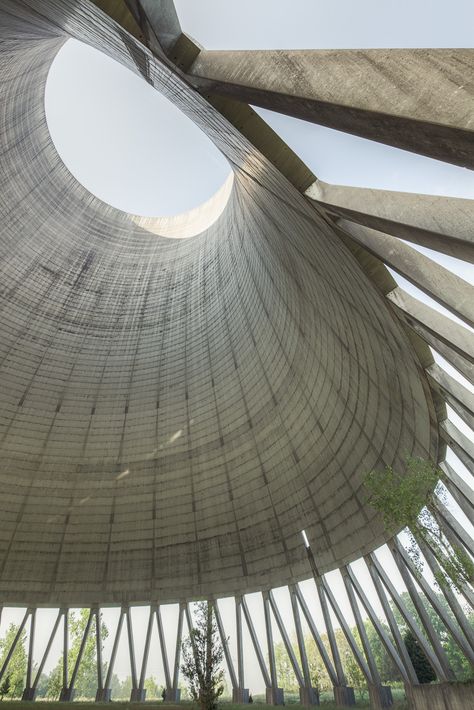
x=174 y=412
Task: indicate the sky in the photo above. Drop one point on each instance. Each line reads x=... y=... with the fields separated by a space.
x=156 y=162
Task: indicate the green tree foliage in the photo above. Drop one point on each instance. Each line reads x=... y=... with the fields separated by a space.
x=5 y=686
x=202 y=659
x=406 y=500
x=389 y=672
x=421 y=664
x=457 y=660
x=18 y=662
x=86 y=681
x=153 y=690
x=285 y=674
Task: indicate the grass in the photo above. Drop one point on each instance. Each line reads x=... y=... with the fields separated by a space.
x=327 y=703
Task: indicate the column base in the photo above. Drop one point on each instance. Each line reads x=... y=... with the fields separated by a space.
x=275 y=696
x=240 y=695
x=138 y=695
x=103 y=695
x=309 y=696
x=29 y=694
x=380 y=696
x=344 y=696
x=67 y=695
x=172 y=695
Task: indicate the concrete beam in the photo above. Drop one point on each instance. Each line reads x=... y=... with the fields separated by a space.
x=459 y=442
x=461 y=492
x=414 y=99
x=461 y=364
x=440 y=223
x=456 y=395
x=454 y=335
x=434 y=600
x=441 y=284
x=158 y=21
x=154 y=22
x=453 y=530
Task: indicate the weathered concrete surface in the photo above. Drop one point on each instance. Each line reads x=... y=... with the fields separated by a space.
x=380 y=697
x=173 y=412
x=441 y=696
x=445 y=287
x=459 y=489
x=456 y=336
x=457 y=396
x=416 y=99
x=440 y=223
x=462 y=446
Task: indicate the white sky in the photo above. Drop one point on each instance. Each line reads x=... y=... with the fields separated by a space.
x=154 y=161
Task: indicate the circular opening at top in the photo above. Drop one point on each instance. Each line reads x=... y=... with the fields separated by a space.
x=125 y=142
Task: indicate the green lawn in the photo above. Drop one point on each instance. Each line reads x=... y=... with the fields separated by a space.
x=327 y=703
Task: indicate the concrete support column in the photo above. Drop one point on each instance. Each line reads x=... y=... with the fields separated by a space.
x=146 y=652
x=14 y=644
x=65 y=687
x=380 y=696
x=325 y=87
x=343 y=694
x=171 y=694
x=308 y=695
x=240 y=694
x=410 y=621
x=174 y=692
x=29 y=691
x=69 y=692
x=274 y=694
x=316 y=636
x=256 y=645
x=106 y=693
x=135 y=695
x=225 y=646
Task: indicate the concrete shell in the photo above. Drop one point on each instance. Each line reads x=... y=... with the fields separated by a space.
x=174 y=412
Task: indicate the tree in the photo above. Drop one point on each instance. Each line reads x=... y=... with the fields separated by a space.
x=461 y=666
x=86 y=681
x=5 y=686
x=116 y=687
x=285 y=673
x=153 y=690
x=17 y=667
x=407 y=500
x=202 y=658
x=388 y=670
x=421 y=664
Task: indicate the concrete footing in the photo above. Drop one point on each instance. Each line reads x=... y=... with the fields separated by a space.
x=137 y=695
x=240 y=695
x=67 y=695
x=172 y=695
x=309 y=696
x=29 y=694
x=380 y=697
x=275 y=696
x=344 y=695
x=103 y=695
x=440 y=696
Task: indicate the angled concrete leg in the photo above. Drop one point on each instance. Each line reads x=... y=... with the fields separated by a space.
x=344 y=696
